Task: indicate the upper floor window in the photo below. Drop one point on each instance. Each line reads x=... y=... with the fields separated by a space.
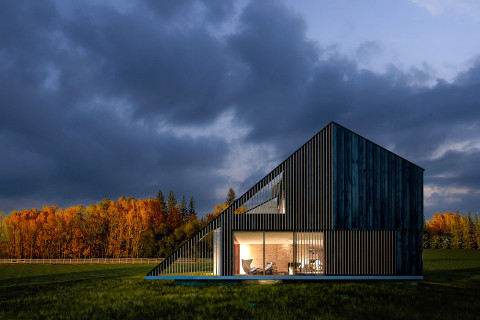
x=269 y=199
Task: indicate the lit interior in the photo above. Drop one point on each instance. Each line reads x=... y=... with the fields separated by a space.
x=276 y=254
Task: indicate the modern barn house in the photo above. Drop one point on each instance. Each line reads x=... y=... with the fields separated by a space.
x=340 y=207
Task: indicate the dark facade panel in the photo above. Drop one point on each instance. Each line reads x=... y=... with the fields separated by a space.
x=360 y=252
x=409 y=253
x=373 y=189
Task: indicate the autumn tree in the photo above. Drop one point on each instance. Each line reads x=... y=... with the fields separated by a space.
x=449 y=230
x=97 y=228
x=427 y=237
x=441 y=227
x=216 y=211
x=477 y=231
x=3 y=238
x=180 y=235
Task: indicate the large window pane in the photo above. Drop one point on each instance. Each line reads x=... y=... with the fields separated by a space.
x=269 y=199
x=248 y=252
x=278 y=252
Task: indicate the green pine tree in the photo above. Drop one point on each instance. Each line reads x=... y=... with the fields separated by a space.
x=436 y=242
x=183 y=209
x=457 y=235
x=175 y=218
x=468 y=232
x=445 y=242
x=161 y=199
x=230 y=197
x=171 y=202
x=191 y=208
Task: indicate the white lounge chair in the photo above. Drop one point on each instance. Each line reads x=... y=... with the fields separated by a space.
x=269 y=268
x=248 y=269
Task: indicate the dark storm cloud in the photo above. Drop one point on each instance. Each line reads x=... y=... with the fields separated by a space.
x=163 y=70
x=278 y=61
x=98 y=102
x=69 y=130
x=214 y=11
x=294 y=88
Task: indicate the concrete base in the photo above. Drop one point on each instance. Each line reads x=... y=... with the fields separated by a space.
x=285 y=278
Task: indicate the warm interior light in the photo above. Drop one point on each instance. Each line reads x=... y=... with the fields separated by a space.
x=244 y=254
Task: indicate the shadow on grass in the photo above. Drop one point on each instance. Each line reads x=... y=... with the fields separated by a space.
x=76 y=276
x=450 y=276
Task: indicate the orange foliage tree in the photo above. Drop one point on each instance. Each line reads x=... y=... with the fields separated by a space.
x=125 y=228
x=452 y=230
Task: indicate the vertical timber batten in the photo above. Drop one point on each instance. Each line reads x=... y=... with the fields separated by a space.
x=365 y=201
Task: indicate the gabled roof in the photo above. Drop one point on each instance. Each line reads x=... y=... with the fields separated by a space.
x=315 y=157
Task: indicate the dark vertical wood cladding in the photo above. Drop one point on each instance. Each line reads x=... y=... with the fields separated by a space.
x=409 y=253
x=374 y=189
x=360 y=252
x=307 y=179
x=367 y=201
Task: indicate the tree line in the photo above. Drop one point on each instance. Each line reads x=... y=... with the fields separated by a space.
x=451 y=231
x=129 y=228
x=134 y=228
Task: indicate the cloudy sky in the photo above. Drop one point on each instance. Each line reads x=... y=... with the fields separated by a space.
x=101 y=99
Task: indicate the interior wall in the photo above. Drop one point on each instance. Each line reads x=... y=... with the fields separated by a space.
x=281 y=254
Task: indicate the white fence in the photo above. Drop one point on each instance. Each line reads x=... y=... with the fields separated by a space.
x=84 y=261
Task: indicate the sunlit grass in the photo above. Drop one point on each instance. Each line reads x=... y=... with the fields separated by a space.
x=451 y=290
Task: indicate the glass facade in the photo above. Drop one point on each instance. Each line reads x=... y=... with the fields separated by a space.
x=248 y=252
x=278 y=253
x=201 y=257
x=269 y=199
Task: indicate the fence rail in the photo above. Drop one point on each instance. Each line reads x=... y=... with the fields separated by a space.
x=84 y=261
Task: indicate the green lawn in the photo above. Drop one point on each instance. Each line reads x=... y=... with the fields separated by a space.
x=451 y=290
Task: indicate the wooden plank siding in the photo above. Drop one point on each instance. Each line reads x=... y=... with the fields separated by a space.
x=360 y=252
x=393 y=200
x=367 y=201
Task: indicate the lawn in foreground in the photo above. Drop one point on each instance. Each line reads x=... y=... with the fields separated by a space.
x=450 y=290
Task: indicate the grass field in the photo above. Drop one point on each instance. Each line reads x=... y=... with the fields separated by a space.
x=451 y=290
